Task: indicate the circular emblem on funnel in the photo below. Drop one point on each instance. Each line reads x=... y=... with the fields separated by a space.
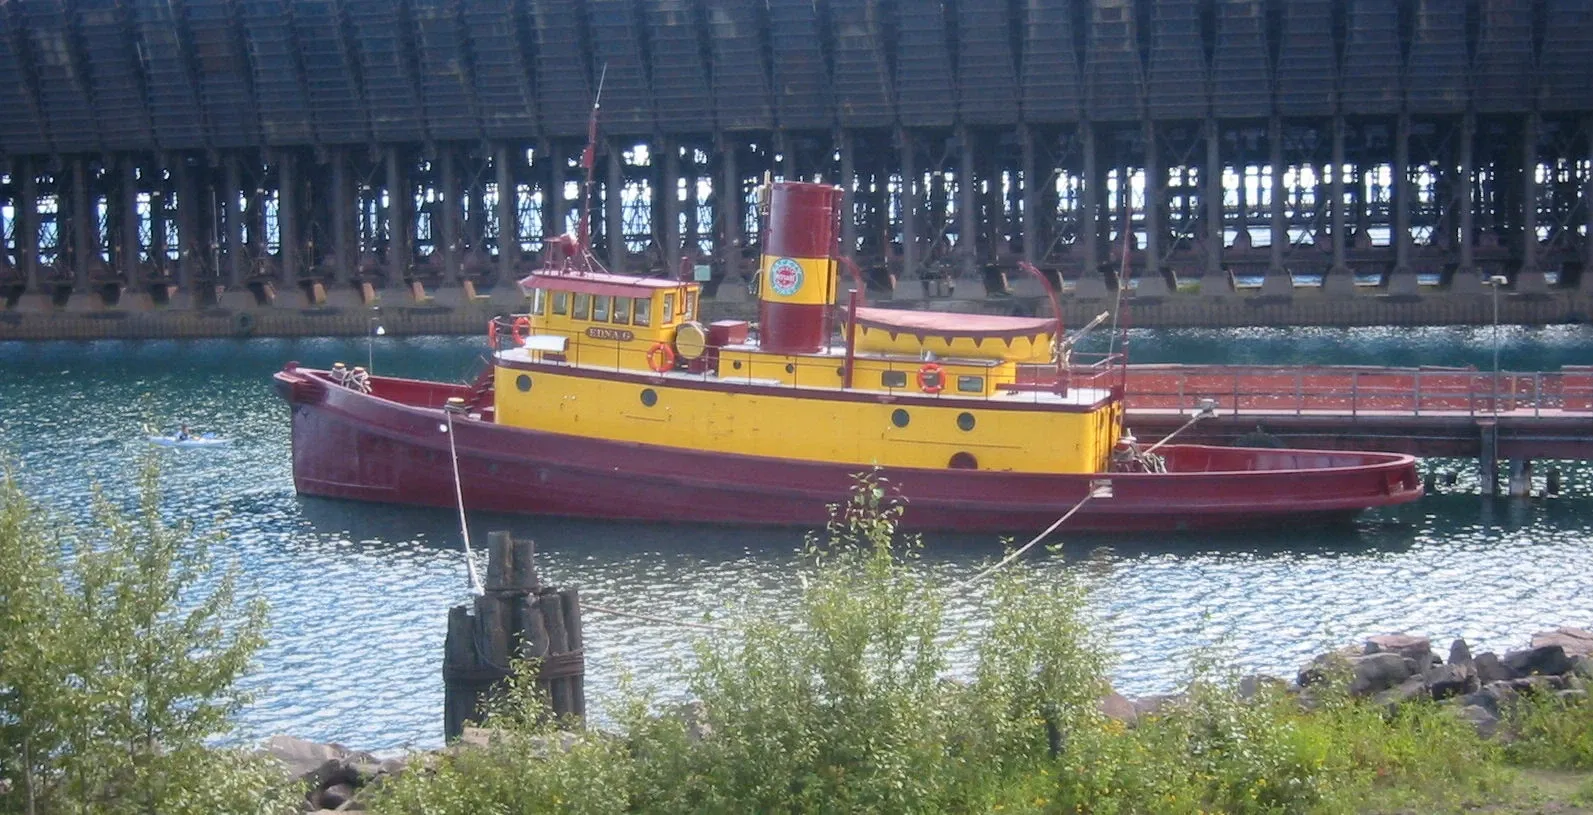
x=785 y=277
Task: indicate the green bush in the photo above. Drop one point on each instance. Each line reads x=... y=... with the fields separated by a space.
x=1552 y=732
x=846 y=706
x=119 y=653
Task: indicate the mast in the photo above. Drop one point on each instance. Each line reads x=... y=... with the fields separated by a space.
x=588 y=161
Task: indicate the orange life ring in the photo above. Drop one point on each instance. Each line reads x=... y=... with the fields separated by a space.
x=522 y=327
x=661 y=358
x=931 y=378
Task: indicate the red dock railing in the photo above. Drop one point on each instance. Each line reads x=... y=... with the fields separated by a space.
x=1277 y=390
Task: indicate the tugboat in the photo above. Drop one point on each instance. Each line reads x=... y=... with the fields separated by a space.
x=611 y=397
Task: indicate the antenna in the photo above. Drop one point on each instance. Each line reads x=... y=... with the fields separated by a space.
x=588 y=160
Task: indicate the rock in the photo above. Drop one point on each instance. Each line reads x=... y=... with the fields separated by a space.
x=1576 y=642
x=1484 y=720
x=1117 y=707
x=302 y=757
x=334 y=797
x=1490 y=669
x=1571 y=696
x=1483 y=698
x=1322 y=665
x=1459 y=652
x=1543 y=660
x=1582 y=667
x=1377 y=673
x=1412 y=688
x=1534 y=684
x=1406 y=645
x=1254 y=684
x=1156 y=703
x=476 y=737
x=1445 y=681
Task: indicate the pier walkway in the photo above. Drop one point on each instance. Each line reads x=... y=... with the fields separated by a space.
x=1430 y=412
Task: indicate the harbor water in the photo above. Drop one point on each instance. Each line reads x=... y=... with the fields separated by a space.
x=359 y=593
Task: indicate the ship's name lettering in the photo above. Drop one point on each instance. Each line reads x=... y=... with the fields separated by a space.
x=600 y=333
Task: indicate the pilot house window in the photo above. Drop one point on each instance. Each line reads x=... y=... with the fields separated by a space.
x=893 y=379
x=583 y=306
x=622 y=310
x=539 y=300
x=600 y=308
x=669 y=308
x=644 y=311
x=970 y=384
x=561 y=302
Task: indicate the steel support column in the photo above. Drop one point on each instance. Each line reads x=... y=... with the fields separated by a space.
x=1402 y=280
x=1530 y=276
x=1467 y=279
x=508 y=214
x=400 y=257
x=1031 y=192
x=130 y=244
x=28 y=225
x=343 y=214
x=451 y=210
x=1152 y=281
x=848 y=194
x=231 y=212
x=909 y=205
x=188 y=241
x=1277 y=282
x=730 y=203
x=1090 y=222
x=1213 y=281
x=554 y=209
x=1339 y=280
x=668 y=197
x=614 y=209
x=967 y=206
x=84 y=226
x=1586 y=284
x=288 y=217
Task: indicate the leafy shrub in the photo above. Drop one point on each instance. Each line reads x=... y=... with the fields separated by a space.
x=1552 y=732
x=119 y=651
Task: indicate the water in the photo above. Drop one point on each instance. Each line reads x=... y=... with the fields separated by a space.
x=359 y=593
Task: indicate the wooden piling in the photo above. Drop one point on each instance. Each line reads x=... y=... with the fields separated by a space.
x=516 y=617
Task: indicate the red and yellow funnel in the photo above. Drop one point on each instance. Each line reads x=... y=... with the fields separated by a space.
x=798 y=268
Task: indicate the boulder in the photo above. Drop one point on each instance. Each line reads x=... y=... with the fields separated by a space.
x=1445 y=681
x=1491 y=669
x=1484 y=720
x=1322 y=665
x=1406 y=645
x=1253 y=684
x=1116 y=706
x=1582 y=667
x=1459 y=652
x=1542 y=660
x=1576 y=642
x=1156 y=703
x=301 y=757
x=1412 y=688
x=333 y=797
x=1378 y=672
x=1571 y=696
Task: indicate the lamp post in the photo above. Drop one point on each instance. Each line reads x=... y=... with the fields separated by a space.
x=1495 y=282
x=373 y=329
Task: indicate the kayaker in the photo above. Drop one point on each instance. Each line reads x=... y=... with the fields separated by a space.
x=182 y=433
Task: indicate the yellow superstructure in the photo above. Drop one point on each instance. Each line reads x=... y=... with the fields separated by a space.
x=623 y=359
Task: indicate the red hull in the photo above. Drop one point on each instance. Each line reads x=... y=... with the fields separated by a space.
x=388 y=447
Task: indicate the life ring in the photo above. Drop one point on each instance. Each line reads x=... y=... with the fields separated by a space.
x=522 y=327
x=661 y=358
x=931 y=378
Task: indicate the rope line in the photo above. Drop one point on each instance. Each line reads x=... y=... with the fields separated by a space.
x=1027 y=546
x=585 y=606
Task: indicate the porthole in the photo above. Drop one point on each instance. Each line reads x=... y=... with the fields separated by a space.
x=841 y=371
x=789 y=368
x=736 y=364
x=649 y=397
x=523 y=382
x=900 y=418
x=963 y=461
x=965 y=420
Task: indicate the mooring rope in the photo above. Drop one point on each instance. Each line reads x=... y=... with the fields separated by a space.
x=1027 y=546
x=459 y=499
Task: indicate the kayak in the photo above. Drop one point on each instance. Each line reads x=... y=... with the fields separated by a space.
x=206 y=440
